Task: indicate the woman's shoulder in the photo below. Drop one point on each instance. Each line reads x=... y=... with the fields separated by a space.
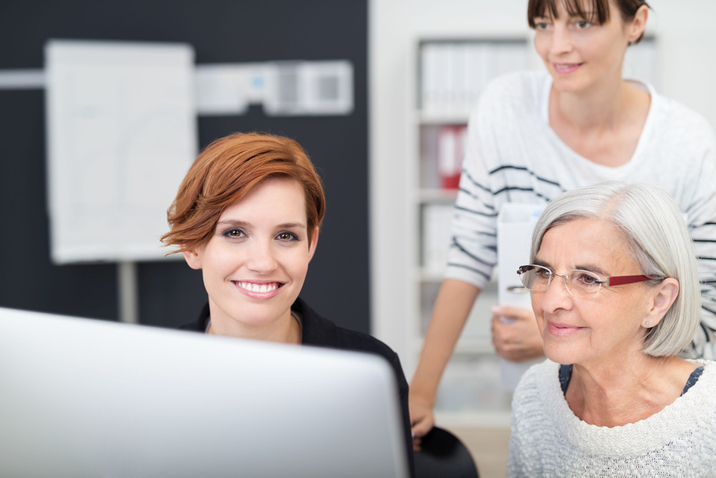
x=322 y=332
x=536 y=404
x=706 y=378
x=198 y=325
x=539 y=372
x=522 y=90
x=361 y=342
x=535 y=380
x=676 y=120
x=518 y=83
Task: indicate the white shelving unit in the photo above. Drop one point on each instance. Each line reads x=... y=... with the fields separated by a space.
x=470 y=392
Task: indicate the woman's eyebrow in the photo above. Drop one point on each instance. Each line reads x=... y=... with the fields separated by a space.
x=233 y=222
x=586 y=15
x=591 y=268
x=239 y=223
x=580 y=267
x=290 y=225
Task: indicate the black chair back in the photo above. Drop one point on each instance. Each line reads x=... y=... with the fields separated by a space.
x=444 y=455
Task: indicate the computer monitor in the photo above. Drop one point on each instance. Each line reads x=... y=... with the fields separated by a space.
x=82 y=397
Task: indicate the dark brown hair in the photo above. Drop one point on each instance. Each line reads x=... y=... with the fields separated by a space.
x=598 y=8
x=225 y=172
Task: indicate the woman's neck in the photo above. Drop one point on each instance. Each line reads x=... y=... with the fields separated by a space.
x=615 y=395
x=286 y=329
x=603 y=124
x=601 y=107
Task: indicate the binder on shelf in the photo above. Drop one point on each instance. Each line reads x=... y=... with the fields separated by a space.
x=478 y=71
x=428 y=73
x=515 y=224
x=451 y=150
x=437 y=220
x=454 y=73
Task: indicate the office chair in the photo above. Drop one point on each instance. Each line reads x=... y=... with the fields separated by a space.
x=443 y=454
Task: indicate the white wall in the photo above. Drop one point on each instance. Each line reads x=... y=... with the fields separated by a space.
x=687 y=59
x=687 y=52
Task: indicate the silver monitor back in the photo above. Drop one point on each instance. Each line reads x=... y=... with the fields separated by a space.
x=86 y=398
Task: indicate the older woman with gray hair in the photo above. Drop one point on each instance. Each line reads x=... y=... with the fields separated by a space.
x=615 y=290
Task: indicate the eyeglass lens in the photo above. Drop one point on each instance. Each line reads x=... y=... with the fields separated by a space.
x=538 y=279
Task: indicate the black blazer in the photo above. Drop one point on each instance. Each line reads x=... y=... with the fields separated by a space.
x=321 y=332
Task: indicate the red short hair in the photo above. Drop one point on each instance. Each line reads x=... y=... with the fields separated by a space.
x=225 y=172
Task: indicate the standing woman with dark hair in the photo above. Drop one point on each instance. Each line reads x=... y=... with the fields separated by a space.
x=534 y=135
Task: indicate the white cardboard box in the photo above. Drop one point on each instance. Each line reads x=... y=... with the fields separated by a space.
x=515 y=224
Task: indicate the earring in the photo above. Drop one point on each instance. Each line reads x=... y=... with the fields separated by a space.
x=647 y=323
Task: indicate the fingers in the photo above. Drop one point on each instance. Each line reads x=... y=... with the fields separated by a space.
x=517 y=341
x=516 y=354
x=512 y=312
x=421 y=421
x=419 y=430
x=501 y=338
x=421 y=427
x=503 y=335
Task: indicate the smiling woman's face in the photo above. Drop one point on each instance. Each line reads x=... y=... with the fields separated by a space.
x=580 y=55
x=256 y=261
x=602 y=328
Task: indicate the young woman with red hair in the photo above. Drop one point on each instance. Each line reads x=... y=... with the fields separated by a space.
x=248 y=214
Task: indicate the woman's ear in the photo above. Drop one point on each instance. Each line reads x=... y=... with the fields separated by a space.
x=313 y=244
x=664 y=297
x=192 y=258
x=638 y=24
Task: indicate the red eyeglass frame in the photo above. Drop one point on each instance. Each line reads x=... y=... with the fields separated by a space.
x=623 y=280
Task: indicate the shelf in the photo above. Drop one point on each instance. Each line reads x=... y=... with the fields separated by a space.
x=442 y=118
x=430 y=276
x=468 y=347
x=473 y=419
x=437 y=195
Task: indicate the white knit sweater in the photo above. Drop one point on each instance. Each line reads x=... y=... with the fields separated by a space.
x=549 y=440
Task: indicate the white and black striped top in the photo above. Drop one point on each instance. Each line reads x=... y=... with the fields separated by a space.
x=514 y=156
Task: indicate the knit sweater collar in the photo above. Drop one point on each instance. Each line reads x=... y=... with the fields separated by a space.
x=635 y=438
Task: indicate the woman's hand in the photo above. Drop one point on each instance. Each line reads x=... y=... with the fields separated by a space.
x=421 y=419
x=515 y=334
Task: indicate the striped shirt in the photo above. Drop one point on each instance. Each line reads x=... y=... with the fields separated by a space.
x=513 y=155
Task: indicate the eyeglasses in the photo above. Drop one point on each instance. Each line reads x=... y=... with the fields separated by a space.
x=579 y=283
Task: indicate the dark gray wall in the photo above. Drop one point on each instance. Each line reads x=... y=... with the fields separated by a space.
x=220 y=31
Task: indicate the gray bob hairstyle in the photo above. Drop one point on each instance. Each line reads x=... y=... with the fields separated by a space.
x=655 y=231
